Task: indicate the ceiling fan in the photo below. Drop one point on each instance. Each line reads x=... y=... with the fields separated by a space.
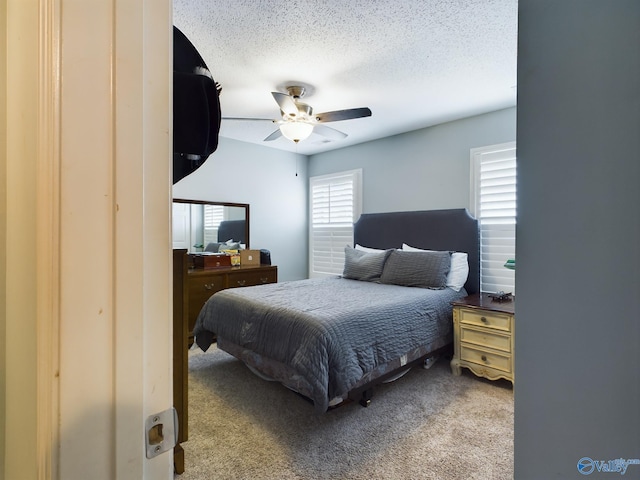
x=298 y=120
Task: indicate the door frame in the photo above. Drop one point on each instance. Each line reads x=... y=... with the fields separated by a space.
x=88 y=236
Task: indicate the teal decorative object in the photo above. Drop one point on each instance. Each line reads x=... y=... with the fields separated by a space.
x=511 y=264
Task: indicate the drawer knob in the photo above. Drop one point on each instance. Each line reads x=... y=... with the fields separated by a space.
x=209 y=286
x=242 y=282
x=483 y=319
x=264 y=279
x=484 y=358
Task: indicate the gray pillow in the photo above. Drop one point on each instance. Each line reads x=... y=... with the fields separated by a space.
x=417 y=269
x=366 y=266
x=212 y=247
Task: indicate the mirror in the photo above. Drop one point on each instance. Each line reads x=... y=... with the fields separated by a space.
x=200 y=225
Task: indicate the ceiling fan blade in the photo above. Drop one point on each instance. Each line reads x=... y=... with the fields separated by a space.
x=286 y=103
x=273 y=136
x=338 y=115
x=329 y=132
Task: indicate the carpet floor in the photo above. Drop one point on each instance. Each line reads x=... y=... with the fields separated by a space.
x=427 y=425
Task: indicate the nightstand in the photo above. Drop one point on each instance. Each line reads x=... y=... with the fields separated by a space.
x=483 y=340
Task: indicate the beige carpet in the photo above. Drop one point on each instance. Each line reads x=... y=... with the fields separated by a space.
x=427 y=425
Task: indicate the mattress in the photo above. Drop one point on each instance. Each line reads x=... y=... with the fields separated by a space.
x=324 y=337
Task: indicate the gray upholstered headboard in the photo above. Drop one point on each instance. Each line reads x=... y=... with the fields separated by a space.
x=232 y=230
x=454 y=230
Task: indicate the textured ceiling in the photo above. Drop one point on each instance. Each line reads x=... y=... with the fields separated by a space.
x=414 y=63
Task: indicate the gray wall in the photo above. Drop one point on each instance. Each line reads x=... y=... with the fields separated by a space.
x=265 y=178
x=577 y=391
x=421 y=170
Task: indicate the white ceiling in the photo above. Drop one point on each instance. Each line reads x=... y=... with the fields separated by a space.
x=414 y=63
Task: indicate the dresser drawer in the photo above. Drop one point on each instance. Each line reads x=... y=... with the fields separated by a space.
x=205 y=286
x=200 y=288
x=495 y=320
x=487 y=359
x=200 y=284
x=248 y=278
x=484 y=338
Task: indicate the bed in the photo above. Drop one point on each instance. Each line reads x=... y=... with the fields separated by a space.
x=334 y=339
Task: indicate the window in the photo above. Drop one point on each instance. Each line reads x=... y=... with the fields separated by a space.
x=213 y=215
x=493 y=203
x=335 y=204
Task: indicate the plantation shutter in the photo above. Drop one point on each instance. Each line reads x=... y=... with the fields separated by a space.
x=494 y=172
x=335 y=206
x=213 y=215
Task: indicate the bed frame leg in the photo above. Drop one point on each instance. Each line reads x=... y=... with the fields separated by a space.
x=365 y=399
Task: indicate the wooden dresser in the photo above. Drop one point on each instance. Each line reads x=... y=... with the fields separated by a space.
x=191 y=289
x=200 y=284
x=483 y=341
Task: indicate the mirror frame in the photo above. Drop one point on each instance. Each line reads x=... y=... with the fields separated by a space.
x=224 y=204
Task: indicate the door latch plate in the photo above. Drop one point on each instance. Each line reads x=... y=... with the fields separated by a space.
x=161 y=432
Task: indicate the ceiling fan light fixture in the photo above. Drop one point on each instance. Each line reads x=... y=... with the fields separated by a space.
x=298 y=121
x=296 y=131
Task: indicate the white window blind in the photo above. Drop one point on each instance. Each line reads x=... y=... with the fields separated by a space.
x=213 y=215
x=335 y=204
x=494 y=198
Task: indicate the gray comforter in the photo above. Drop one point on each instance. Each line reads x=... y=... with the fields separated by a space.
x=327 y=334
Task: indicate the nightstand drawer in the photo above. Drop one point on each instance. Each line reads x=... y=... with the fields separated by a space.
x=495 y=320
x=486 y=339
x=488 y=359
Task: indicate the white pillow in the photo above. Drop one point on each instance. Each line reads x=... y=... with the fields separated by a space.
x=459 y=267
x=370 y=250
